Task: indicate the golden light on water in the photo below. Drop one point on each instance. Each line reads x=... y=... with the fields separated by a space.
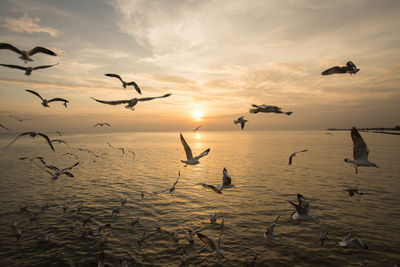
x=197 y=115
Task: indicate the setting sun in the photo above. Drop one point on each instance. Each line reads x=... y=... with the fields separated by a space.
x=197 y=115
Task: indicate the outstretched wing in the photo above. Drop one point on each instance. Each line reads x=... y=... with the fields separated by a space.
x=97 y=124
x=114 y=76
x=136 y=87
x=204 y=153
x=360 y=149
x=242 y=124
x=17 y=138
x=39 y=49
x=2 y=126
x=10 y=47
x=116 y=102
x=43 y=67
x=69 y=168
x=58 y=99
x=179 y=176
x=334 y=70
x=14 y=66
x=151 y=98
x=35 y=93
x=47 y=139
x=207 y=241
x=109 y=125
x=226 y=179
x=188 y=151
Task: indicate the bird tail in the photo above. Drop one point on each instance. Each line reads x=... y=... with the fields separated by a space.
x=254 y=110
x=288 y=113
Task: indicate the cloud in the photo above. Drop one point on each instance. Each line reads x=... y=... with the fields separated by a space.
x=28 y=25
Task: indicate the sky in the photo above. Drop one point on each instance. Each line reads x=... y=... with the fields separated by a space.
x=215 y=57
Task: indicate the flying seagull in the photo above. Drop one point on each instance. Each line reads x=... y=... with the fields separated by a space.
x=360 y=152
x=241 y=120
x=46 y=102
x=18 y=119
x=209 y=186
x=89 y=151
x=270 y=233
x=352 y=191
x=101 y=124
x=172 y=188
x=4 y=127
x=124 y=84
x=33 y=134
x=189 y=156
x=25 y=55
x=120 y=148
x=349 y=68
x=60 y=141
x=302 y=209
x=294 y=154
x=352 y=242
x=268 y=109
x=226 y=180
x=131 y=102
x=58 y=172
x=28 y=70
x=211 y=244
x=197 y=128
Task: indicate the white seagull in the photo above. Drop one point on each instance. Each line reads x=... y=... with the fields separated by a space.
x=101 y=124
x=349 y=68
x=352 y=242
x=294 y=154
x=268 y=109
x=240 y=120
x=211 y=244
x=57 y=171
x=226 y=180
x=131 y=102
x=189 y=156
x=25 y=55
x=302 y=209
x=360 y=152
x=124 y=84
x=46 y=102
x=28 y=70
x=270 y=233
x=33 y=134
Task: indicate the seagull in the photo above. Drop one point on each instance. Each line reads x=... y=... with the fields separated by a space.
x=28 y=70
x=133 y=153
x=46 y=102
x=131 y=102
x=211 y=244
x=75 y=156
x=268 y=109
x=31 y=159
x=294 y=154
x=60 y=141
x=226 y=180
x=87 y=150
x=322 y=237
x=25 y=55
x=270 y=233
x=302 y=209
x=124 y=84
x=121 y=148
x=240 y=120
x=58 y=172
x=355 y=242
x=352 y=191
x=4 y=127
x=190 y=160
x=59 y=133
x=102 y=124
x=349 y=68
x=209 y=186
x=172 y=188
x=197 y=128
x=360 y=152
x=18 y=119
x=33 y=134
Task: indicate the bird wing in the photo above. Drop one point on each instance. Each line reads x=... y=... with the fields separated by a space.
x=188 y=151
x=334 y=70
x=207 y=241
x=58 y=99
x=110 y=145
x=303 y=206
x=242 y=124
x=204 y=153
x=69 y=168
x=151 y=98
x=136 y=87
x=216 y=190
x=43 y=67
x=291 y=158
x=54 y=168
x=97 y=124
x=195 y=129
x=35 y=93
x=11 y=47
x=226 y=179
x=17 y=138
x=114 y=76
x=360 y=149
x=47 y=139
x=115 y=102
x=107 y=124
x=256 y=106
x=1 y=125
x=179 y=176
x=13 y=66
x=39 y=49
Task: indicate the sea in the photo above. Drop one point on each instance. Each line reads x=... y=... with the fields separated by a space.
x=257 y=163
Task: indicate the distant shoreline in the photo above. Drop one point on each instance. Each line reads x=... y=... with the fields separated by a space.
x=374 y=130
